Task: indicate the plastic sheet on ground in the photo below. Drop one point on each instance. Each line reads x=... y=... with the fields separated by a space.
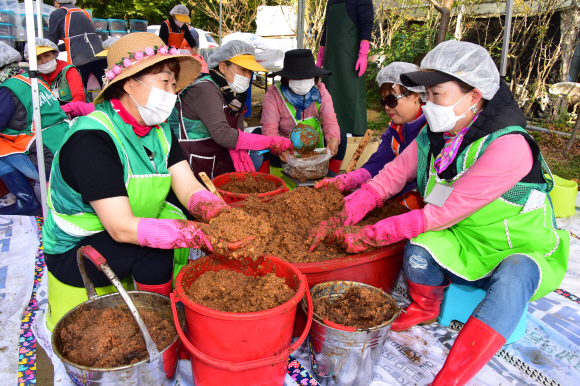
x=18 y=246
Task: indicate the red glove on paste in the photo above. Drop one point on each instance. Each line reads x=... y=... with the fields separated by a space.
x=346 y=182
x=385 y=232
x=356 y=206
x=248 y=141
x=204 y=205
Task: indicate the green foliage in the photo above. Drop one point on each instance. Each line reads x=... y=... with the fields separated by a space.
x=154 y=11
x=380 y=124
x=407 y=45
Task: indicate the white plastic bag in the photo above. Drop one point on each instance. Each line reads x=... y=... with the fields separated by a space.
x=310 y=168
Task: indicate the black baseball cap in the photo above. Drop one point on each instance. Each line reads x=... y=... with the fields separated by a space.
x=426 y=78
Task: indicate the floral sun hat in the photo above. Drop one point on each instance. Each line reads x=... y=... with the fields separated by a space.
x=136 y=51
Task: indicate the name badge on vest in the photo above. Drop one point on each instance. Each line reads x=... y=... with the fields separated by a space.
x=439 y=194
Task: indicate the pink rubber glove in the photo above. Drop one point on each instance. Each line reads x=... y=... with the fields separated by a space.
x=78 y=109
x=320 y=57
x=346 y=182
x=248 y=141
x=388 y=231
x=204 y=205
x=242 y=161
x=363 y=53
x=356 y=206
x=174 y=234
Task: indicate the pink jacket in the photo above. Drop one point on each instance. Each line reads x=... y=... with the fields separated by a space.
x=504 y=163
x=276 y=119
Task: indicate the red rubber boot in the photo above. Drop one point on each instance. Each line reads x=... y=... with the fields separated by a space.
x=425 y=307
x=162 y=289
x=475 y=345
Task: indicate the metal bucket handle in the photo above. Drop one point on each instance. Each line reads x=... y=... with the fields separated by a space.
x=283 y=356
x=101 y=263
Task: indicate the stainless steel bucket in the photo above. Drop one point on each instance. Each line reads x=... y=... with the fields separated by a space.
x=345 y=358
x=159 y=369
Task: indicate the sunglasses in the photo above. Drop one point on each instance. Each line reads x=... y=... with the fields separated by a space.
x=391 y=100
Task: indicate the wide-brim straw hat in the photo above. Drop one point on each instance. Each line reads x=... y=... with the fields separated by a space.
x=135 y=42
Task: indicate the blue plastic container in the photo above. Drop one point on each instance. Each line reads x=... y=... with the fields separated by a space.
x=117 y=34
x=8 y=40
x=103 y=34
x=117 y=25
x=458 y=304
x=138 y=25
x=100 y=24
x=8 y=17
x=7 y=29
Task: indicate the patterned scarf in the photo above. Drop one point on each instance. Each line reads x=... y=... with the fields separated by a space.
x=9 y=71
x=452 y=143
x=301 y=102
x=236 y=102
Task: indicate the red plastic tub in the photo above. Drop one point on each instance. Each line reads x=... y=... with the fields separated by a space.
x=230 y=197
x=240 y=349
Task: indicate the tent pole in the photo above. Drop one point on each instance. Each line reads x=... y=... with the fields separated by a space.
x=37 y=124
x=300 y=25
x=220 y=23
x=39 y=18
x=509 y=6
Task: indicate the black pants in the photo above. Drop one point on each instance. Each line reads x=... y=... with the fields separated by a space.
x=147 y=265
x=96 y=67
x=275 y=160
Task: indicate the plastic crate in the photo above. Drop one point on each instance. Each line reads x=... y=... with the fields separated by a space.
x=90 y=12
x=7 y=29
x=44 y=20
x=117 y=34
x=8 y=17
x=103 y=34
x=138 y=25
x=117 y=25
x=101 y=24
x=8 y=40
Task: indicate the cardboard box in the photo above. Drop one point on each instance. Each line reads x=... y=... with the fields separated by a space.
x=352 y=145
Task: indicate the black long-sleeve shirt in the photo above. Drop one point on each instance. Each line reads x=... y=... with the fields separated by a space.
x=361 y=14
x=164 y=32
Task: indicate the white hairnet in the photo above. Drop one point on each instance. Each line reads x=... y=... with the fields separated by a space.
x=41 y=43
x=109 y=42
x=179 y=9
x=229 y=50
x=392 y=74
x=467 y=62
x=8 y=55
x=73 y=2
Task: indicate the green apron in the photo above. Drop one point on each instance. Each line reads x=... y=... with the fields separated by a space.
x=475 y=246
x=147 y=181
x=348 y=91
x=312 y=121
x=60 y=88
x=54 y=120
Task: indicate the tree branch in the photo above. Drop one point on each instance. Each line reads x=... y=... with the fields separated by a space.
x=436 y=5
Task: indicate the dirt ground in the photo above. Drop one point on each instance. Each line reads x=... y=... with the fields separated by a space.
x=44 y=369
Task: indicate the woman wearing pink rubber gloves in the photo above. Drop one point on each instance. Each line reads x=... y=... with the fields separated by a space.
x=404 y=107
x=115 y=169
x=488 y=223
x=344 y=48
x=208 y=118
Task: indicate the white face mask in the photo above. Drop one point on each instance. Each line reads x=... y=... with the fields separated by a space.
x=179 y=23
x=48 y=67
x=159 y=105
x=240 y=83
x=442 y=119
x=301 y=86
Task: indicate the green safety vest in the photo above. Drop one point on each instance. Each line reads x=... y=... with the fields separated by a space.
x=312 y=121
x=54 y=120
x=195 y=129
x=147 y=181
x=60 y=87
x=475 y=246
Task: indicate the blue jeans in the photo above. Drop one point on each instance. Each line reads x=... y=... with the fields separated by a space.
x=18 y=162
x=257 y=160
x=509 y=287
